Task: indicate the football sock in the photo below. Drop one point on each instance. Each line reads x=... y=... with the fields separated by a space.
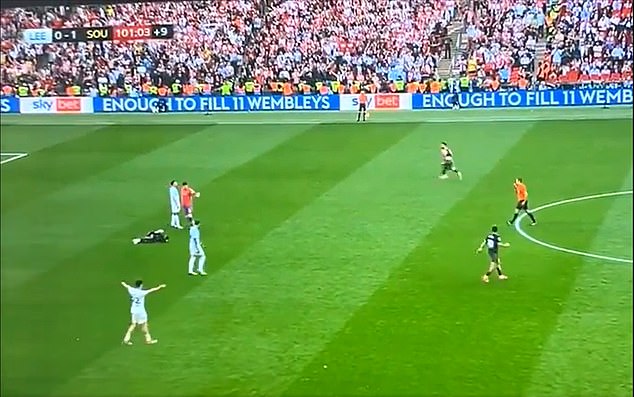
x=128 y=334
x=148 y=337
x=487 y=273
x=175 y=220
x=530 y=215
x=499 y=271
x=514 y=217
x=192 y=262
x=201 y=264
x=364 y=115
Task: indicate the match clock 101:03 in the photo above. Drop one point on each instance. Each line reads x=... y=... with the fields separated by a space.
x=106 y=33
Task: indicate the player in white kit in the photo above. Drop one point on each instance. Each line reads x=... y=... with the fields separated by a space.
x=175 y=205
x=137 y=310
x=196 y=250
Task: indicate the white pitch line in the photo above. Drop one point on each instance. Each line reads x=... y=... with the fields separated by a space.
x=567 y=250
x=15 y=156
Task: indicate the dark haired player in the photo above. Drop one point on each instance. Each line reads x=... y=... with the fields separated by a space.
x=447 y=163
x=138 y=312
x=493 y=242
x=522 y=202
x=187 y=200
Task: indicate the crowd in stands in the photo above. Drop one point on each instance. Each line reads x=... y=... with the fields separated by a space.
x=317 y=45
x=589 y=41
x=215 y=41
x=501 y=39
x=586 y=41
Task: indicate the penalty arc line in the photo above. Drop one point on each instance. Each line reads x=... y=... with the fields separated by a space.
x=519 y=229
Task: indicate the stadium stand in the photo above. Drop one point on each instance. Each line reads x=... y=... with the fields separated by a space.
x=324 y=46
x=589 y=42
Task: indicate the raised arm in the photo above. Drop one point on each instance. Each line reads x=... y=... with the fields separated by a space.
x=156 y=288
x=126 y=286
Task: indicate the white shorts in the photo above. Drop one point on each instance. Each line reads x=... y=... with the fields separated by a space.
x=139 y=318
x=194 y=251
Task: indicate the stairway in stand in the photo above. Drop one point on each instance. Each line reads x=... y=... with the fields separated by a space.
x=454 y=31
x=540 y=50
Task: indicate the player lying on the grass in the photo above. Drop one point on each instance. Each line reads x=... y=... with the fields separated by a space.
x=138 y=312
x=153 y=236
x=447 y=163
x=493 y=242
x=175 y=205
x=187 y=200
x=522 y=202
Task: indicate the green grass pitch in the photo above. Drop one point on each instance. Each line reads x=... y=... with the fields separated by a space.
x=339 y=264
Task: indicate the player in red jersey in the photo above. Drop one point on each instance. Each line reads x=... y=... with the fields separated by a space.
x=187 y=200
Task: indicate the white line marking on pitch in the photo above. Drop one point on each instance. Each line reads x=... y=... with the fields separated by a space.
x=562 y=249
x=14 y=156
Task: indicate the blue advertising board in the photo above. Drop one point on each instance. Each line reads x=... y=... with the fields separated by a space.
x=219 y=103
x=9 y=105
x=519 y=99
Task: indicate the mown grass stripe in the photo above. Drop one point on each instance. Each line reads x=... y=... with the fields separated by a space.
x=435 y=329
x=283 y=177
x=589 y=352
x=264 y=315
x=32 y=138
x=62 y=256
x=68 y=163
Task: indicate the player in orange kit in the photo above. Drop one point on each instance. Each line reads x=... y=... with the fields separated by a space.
x=187 y=200
x=522 y=201
x=363 y=106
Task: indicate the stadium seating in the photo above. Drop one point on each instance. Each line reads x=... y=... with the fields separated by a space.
x=591 y=41
x=298 y=40
x=311 y=43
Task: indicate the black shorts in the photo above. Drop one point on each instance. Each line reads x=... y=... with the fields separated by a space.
x=448 y=166
x=493 y=255
x=522 y=205
x=362 y=107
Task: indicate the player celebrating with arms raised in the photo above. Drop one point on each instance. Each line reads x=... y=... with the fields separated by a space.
x=137 y=310
x=187 y=200
x=446 y=162
x=493 y=242
x=522 y=201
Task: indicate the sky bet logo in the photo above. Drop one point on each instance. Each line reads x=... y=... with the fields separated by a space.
x=51 y=105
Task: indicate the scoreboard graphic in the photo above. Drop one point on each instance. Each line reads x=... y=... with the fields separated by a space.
x=106 y=33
